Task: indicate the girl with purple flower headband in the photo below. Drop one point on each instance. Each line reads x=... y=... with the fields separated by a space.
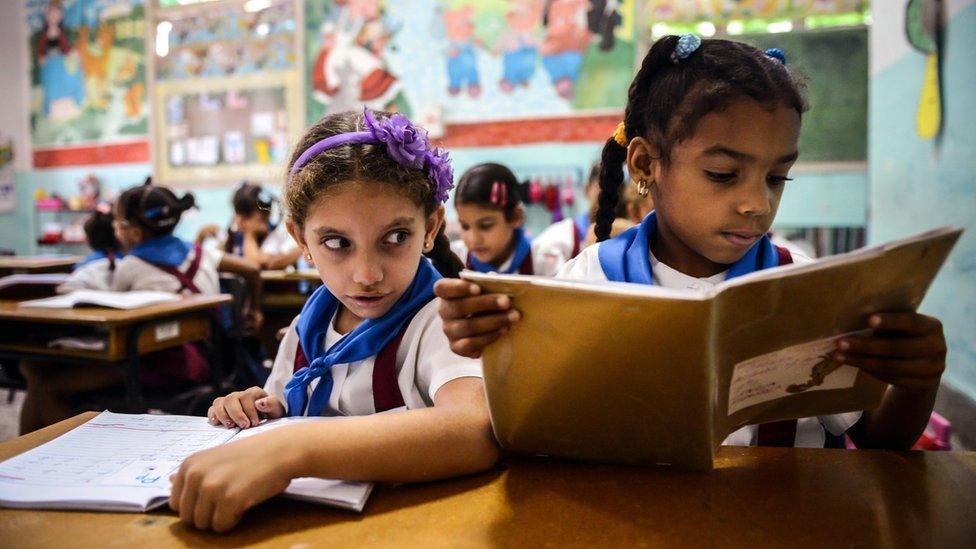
x=364 y=198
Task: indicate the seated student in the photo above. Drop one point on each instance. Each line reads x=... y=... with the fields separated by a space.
x=252 y=235
x=711 y=130
x=491 y=215
x=364 y=200
x=96 y=270
x=144 y=219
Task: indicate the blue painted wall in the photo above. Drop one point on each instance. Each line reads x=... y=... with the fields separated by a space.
x=917 y=185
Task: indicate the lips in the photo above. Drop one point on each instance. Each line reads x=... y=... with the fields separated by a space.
x=367 y=301
x=741 y=238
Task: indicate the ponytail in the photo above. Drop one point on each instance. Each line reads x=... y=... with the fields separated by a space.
x=444 y=260
x=154 y=209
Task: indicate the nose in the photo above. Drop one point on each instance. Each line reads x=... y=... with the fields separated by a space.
x=756 y=198
x=368 y=270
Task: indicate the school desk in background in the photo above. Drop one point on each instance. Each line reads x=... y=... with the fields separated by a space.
x=109 y=335
x=636 y=374
x=27 y=264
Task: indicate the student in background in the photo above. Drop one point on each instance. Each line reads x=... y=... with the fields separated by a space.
x=491 y=215
x=144 y=220
x=97 y=269
x=710 y=132
x=365 y=206
x=252 y=235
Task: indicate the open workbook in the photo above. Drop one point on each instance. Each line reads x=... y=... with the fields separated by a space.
x=122 y=462
x=628 y=373
x=103 y=298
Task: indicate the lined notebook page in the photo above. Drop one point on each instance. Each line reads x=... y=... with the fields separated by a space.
x=116 y=462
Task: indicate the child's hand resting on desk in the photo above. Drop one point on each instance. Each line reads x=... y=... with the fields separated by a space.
x=245 y=408
x=472 y=321
x=213 y=488
x=906 y=350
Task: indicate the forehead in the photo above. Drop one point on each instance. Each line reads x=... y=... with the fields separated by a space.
x=745 y=125
x=361 y=204
x=473 y=212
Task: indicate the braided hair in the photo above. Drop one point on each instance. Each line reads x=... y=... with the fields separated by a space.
x=668 y=97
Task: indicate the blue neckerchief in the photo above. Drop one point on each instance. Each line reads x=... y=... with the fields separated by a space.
x=164 y=250
x=523 y=246
x=237 y=242
x=625 y=258
x=582 y=224
x=366 y=340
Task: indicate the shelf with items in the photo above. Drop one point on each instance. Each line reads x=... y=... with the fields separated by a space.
x=61 y=228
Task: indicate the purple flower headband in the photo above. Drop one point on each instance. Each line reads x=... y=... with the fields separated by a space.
x=406 y=144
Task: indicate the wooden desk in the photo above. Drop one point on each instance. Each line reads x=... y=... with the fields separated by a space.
x=281 y=302
x=779 y=497
x=310 y=275
x=37 y=264
x=24 y=332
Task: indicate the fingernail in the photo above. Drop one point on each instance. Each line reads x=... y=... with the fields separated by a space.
x=875 y=321
x=503 y=301
x=839 y=357
x=228 y=424
x=513 y=316
x=844 y=345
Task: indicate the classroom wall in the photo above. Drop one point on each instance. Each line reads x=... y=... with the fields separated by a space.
x=917 y=185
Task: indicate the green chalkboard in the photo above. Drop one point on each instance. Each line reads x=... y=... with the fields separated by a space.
x=835 y=63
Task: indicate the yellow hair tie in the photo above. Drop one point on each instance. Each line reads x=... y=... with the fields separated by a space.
x=620 y=135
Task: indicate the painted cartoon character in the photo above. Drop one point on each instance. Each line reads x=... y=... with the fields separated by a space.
x=95 y=62
x=602 y=19
x=519 y=45
x=567 y=38
x=349 y=70
x=61 y=80
x=462 y=63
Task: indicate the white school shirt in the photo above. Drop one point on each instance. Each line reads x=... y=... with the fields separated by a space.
x=547 y=257
x=278 y=241
x=424 y=363
x=94 y=275
x=810 y=431
x=132 y=273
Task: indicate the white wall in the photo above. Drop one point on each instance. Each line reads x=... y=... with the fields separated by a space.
x=14 y=67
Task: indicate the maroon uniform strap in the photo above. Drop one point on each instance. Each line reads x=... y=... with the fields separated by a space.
x=386 y=388
x=185 y=279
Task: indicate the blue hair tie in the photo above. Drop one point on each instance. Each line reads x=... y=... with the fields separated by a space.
x=687 y=45
x=265 y=197
x=153 y=213
x=777 y=54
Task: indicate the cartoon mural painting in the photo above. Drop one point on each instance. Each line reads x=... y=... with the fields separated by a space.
x=566 y=41
x=519 y=45
x=60 y=74
x=486 y=59
x=349 y=70
x=88 y=74
x=462 y=61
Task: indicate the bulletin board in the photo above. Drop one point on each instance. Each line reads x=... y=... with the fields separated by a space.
x=226 y=99
x=225 y=129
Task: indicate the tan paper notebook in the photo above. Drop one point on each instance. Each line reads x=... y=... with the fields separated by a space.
x=628 y=373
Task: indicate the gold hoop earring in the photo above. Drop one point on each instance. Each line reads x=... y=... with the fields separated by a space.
x=428 y=246
x=308 y=257
x=642 y=188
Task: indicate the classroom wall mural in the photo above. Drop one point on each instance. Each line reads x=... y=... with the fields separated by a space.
x=88 y=81
x=486 y=60
x=721 y=11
